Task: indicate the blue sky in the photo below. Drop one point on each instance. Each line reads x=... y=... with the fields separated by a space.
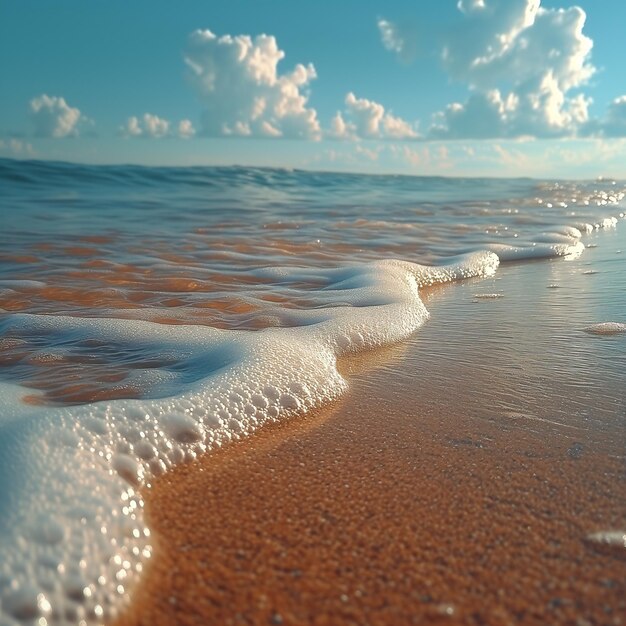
x=474 y=87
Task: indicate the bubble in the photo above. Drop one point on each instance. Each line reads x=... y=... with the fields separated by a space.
x=76 y=587
x=95 y=425
x=127 y=468
x=249 y=410
x=343 y=342
x=181 y=427
x=157 y=467
x=130 y=433
x=25 y=603
x=145 y=450
x=46 y=531
x=136 y=414
x=290 y=402
x=271 y=393
x=176 y=455
x=259 y=401
x=214 y=421
x=68 y=438
x=300 y=389
x=235 y=426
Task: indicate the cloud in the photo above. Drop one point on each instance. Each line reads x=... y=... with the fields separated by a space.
x=388 y=156
x=148 y=125
x=366 y=119
x=340 y=129
x=467 y=6
x=369 y=153
x=521 y=63
x=132 y=128
x=542 y=111
x=186 y=129
x=523 y=42
x=398 y=38
x=432 y=157
x=391 y=37
x=155 y=127
x=53 y=117
x=16 y=147
x=237 y=80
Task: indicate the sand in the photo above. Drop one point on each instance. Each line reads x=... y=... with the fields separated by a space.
x=421 y=498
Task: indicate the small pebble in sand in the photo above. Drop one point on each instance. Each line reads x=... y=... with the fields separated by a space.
x=613 y=538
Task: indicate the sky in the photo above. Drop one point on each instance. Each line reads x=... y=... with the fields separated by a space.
x=453 y=87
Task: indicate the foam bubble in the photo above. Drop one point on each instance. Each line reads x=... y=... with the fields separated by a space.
x=181 y=428
x=25 y=603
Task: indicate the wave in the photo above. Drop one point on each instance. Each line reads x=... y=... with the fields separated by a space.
x=73 y=536
x=72 y=532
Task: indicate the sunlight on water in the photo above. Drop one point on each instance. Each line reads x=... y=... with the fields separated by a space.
x=149 y=315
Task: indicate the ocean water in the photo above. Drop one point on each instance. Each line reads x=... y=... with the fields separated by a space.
x=148 y=315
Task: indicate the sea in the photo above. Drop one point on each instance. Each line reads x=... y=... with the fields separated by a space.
x=149 y=315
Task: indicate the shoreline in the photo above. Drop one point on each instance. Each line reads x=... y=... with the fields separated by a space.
x=126 y=343
x=409 y=501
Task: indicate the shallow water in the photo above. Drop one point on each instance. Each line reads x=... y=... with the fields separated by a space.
x=190 y=245
x=153 y=314
x=474 y=471
x=202 y=246
x=540 y=369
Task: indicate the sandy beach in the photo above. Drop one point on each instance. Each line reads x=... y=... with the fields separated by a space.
x=418 y=498
x=313 y=314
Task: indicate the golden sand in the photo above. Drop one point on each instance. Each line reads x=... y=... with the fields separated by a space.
x=377 y=512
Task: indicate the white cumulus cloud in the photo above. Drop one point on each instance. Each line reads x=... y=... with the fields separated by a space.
x=391 y=36
x=399 y=37
x=366 y=119
x=16 y=147
x=155 y=127
x=186 y=129
x=525 y=66
x=243 y=93
x=466 y=6
x=53 y=117
x=148 y=125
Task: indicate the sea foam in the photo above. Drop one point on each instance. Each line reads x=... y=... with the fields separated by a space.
x=73 y=537
x=171 y=244
x=606 y=328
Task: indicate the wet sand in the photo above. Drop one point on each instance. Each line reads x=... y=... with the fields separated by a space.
x=457 y=482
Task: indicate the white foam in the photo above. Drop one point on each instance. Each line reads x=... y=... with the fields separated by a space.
x=545 y=250
x=562 y=241
x=72 y=532
x=606 y=328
